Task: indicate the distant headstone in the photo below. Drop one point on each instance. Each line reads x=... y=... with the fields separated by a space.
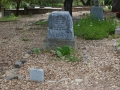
x=60 y=30
x=7 y=13
x=96 y=3
x=97 y=11
x=37 y=74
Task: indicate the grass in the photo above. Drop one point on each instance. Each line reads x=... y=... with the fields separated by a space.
x=41 y=22
x=94 y=29
x=25 y=39
x=10 y=18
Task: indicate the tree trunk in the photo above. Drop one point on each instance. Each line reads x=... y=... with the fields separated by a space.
x=17 y=7
x=88 y=3
x=0 y=5
x=116 y=5
x=68 y=6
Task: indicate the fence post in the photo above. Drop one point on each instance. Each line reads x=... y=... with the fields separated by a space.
x=3 y=11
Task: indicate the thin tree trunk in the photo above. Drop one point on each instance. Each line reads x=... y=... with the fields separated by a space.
x=17 y=7
x=0 y=5
x=68 y=6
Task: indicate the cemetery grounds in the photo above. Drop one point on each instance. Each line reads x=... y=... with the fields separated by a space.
x=98 y=70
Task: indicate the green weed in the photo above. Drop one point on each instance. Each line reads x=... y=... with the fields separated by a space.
x=65 y=54
x=41 y=22
x=25 y=39
x=36 y=50
x=12 y=17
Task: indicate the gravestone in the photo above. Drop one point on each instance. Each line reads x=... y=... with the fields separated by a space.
x=97 y=11
x=7 y=13
x=60 y=30
x=37 y=74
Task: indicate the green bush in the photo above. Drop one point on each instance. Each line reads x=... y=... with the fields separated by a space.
x=94 y=29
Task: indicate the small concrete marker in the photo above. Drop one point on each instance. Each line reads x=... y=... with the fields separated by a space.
x=37 y=74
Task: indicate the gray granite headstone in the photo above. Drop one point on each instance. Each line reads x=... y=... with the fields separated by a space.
x=60 y=25
x=97 y=11
x=60 y=30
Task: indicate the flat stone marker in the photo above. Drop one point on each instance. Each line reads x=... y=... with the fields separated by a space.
x=37 y=74
x=97 y=11
x=60 y=31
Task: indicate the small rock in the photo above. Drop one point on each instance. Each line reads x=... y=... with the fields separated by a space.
x=51 y=81
x=9 y=77
x=19 y=28
x=63 y=79
x=18 y=64
x=118 y=49
x=26 y=55
x=30 y=52
x=12 y=72
x=78 y=80
x=52 y=51
x=13 y=77
x=22 y=61
x=84 y=56
x=20 y=77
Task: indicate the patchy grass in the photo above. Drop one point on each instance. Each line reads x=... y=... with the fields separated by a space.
x=12 y=17
x=94 y=29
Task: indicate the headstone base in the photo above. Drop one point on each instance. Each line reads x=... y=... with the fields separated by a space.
x=51 y=44
x=117 y=31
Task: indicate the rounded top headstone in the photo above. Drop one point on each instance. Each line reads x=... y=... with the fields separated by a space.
x=96 y=3
x=60 y=25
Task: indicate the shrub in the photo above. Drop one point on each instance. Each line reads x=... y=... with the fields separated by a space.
x=36 y=50
x=65 y=53
x=94 y=29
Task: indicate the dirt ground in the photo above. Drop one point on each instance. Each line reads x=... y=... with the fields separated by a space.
x=100 y=70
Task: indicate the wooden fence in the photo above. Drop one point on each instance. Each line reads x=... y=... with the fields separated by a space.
x=26 y=11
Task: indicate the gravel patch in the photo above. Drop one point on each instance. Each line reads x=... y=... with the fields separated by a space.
x=99 y=70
